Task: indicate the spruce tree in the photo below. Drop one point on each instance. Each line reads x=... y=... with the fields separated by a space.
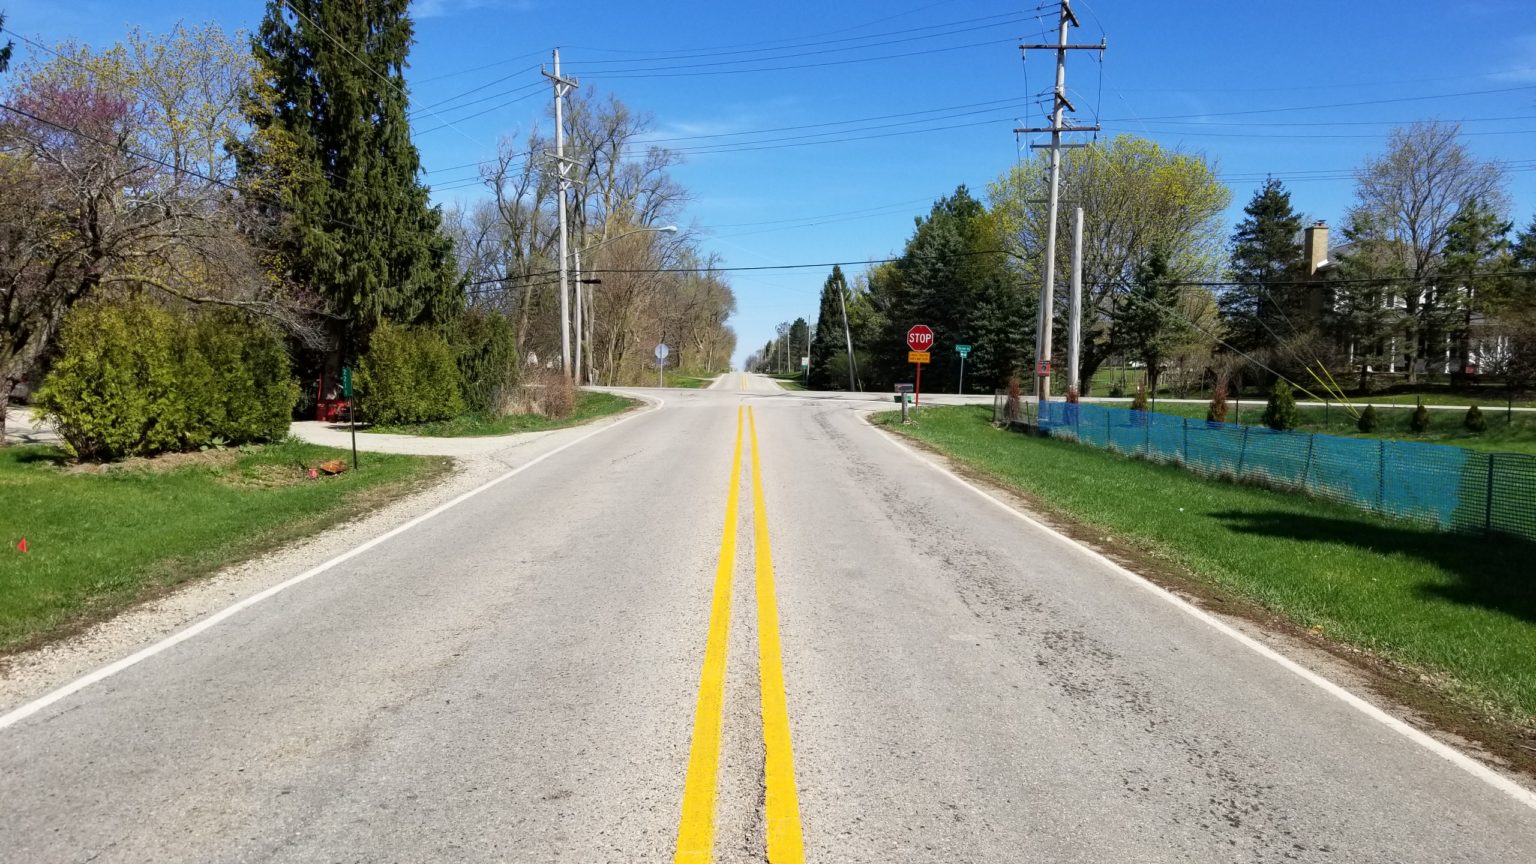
x=1476 y=254
x=830 y=340
x=331 y=142
x=1265 y=250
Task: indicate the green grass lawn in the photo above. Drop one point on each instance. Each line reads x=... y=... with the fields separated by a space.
x=101 y=541
x=690 y=380
x=790 y=380
x=590 y=405
x=1506 y=433
x=1462 y=608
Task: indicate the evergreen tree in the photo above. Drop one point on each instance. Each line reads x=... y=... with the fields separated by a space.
x=1522 y=252
x=799 y=343
x=5 y=52
x=1145 y=323
x=830 y=339
x=950 y=278
x=1265 y=250
x=1281 y=412
x=1476 y=253
x=331 y=141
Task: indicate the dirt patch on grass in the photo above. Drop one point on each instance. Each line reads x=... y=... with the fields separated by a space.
x=215 y=458
x=1417 y=696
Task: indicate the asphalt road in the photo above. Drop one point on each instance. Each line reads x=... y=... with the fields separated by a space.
x=575 y=665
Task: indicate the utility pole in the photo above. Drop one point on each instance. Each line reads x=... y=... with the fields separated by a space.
x=1057 y=127
x=581 y=322
x=847 y=337
x=1075 y=311
x=562 y=86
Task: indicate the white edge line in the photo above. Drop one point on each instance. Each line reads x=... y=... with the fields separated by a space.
x=105 y=672
x=1439 y=748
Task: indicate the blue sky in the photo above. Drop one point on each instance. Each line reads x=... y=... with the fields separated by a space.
x=947 y=84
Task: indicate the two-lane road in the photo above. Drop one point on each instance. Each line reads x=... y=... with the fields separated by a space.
x=746 y=614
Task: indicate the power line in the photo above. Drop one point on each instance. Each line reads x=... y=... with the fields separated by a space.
x=1012 y=19
x=659 y=71
x=783 y=44
x=1331 y=105
x=440 y=103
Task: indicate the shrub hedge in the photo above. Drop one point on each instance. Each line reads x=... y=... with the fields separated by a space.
x=409 y=375
x=135 y=379
x=486 y=348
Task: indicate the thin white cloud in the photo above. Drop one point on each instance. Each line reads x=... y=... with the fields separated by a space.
x=1521 y=67
x=423 y=9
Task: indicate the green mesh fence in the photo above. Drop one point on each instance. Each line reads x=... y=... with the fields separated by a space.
x=1450 y=488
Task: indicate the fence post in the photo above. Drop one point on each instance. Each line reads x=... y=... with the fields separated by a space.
x=1242 y=453
x=1488 y=506
x=1109 y=436
x=1186 y=443
x=1306 y=470
x=1381 y=476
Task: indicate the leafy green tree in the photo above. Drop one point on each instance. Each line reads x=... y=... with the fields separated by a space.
x=830 y=341
x=1265 y=251
x=331 y=140
x=1137 y=196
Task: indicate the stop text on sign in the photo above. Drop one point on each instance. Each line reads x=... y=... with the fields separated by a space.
x=919 y=338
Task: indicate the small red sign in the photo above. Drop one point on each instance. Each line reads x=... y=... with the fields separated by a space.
x=1043 y=367
x=920 y=338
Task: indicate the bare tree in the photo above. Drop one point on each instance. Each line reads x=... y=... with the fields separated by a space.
x=1407 y=199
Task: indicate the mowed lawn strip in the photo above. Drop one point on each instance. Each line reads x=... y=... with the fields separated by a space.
x=1462 y=608
x=102 y=541
x=590 y=405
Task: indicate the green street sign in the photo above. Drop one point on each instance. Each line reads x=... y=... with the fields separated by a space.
x=962 y=350
x=346 y=382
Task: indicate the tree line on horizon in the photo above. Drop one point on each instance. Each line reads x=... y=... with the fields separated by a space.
x=1426 y=280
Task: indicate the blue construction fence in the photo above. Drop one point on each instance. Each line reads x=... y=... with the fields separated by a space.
x=1449 y=488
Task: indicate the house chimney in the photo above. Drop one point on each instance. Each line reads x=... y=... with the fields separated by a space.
x=1314 y=247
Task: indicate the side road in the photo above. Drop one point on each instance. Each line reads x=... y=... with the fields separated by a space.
x=478 y=461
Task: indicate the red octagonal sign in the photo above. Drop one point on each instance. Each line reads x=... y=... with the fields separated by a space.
x=920 y=338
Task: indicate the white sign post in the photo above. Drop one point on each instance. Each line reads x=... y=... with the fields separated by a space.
x=661 y=364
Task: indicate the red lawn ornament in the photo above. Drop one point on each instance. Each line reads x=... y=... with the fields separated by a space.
x=22 y=546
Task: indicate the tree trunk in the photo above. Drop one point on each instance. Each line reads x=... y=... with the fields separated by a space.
x=5 y=405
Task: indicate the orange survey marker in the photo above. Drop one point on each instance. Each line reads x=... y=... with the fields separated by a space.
x=22 y=546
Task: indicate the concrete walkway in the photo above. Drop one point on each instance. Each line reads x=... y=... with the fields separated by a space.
x=24 y=426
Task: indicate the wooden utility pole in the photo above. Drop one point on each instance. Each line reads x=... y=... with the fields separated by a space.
x=1058 y=126
x=562 y=86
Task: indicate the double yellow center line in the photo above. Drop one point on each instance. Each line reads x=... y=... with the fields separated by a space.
x=695 y=835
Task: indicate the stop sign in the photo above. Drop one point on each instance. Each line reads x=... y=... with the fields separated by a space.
x=920 y=338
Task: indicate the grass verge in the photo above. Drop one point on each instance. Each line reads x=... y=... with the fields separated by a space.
x=100 y=542
x=1455 y=613
x=689 y=380
x=791 y=380
x=590 y=405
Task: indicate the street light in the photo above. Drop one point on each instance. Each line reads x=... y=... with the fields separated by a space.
x=663 y=229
